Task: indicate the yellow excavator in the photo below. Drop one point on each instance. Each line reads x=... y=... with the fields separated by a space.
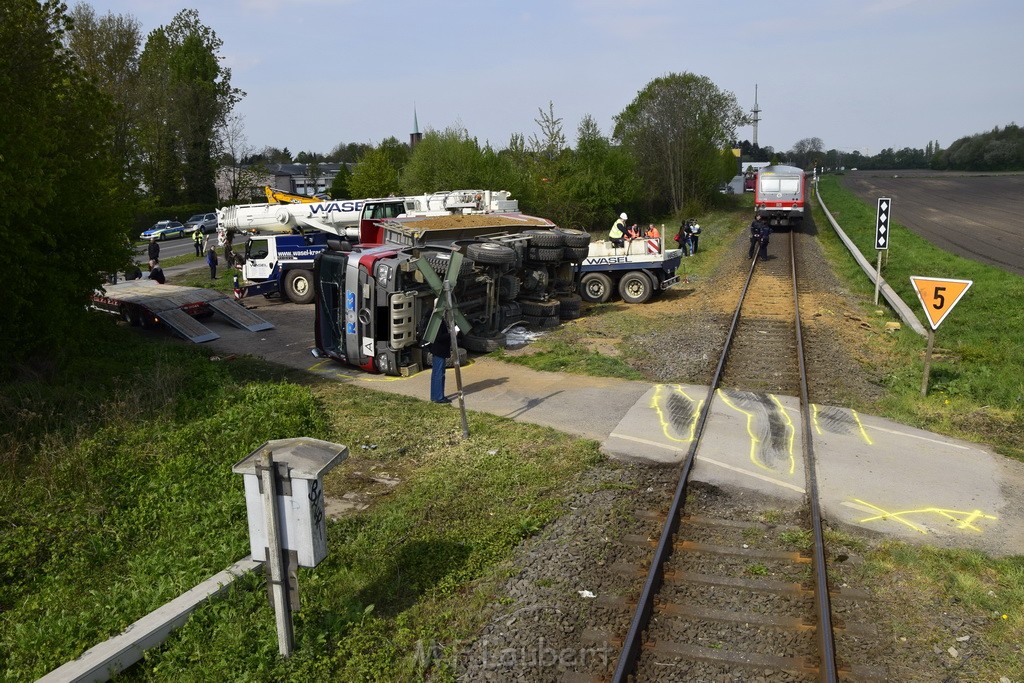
x=275 y=196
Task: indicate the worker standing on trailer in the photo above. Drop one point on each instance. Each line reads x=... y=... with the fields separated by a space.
x=618 y=231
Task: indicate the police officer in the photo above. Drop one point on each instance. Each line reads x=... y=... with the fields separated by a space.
x=759 y=232
x=197 y=240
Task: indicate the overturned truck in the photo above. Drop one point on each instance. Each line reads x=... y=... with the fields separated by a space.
x=373 y=300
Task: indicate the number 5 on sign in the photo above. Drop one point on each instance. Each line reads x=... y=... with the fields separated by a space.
x=938 y=296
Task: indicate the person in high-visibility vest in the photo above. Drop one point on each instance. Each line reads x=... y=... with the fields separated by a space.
x=618 y=231
x=197 y=240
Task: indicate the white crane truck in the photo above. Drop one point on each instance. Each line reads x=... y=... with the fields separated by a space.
x=284 y=238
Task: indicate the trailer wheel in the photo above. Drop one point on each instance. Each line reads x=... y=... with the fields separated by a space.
x=298 y=286
x=596 y=288
x=635 y=287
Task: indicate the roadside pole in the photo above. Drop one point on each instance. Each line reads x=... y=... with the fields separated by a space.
x=278 y=591
x=882 y=214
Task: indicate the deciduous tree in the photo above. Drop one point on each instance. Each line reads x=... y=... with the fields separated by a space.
x=55 y=147
x=675 y=128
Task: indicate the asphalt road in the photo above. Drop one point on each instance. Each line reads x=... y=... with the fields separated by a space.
x=168 y=248
x=977 y=216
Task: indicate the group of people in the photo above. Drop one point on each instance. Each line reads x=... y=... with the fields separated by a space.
x=620 y=232
x=688 y=236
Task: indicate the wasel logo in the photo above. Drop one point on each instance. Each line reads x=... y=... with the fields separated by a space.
x=327 y=207
x=601 y=260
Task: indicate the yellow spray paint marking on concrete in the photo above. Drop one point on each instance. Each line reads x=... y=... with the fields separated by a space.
x=756 y=442
x=659 y=398
x=860 y=426
x=816 y=418
x=791 y=429
x=333 y=370
x=964 y=520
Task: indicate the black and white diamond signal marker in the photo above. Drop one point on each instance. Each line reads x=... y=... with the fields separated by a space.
x=882 y=223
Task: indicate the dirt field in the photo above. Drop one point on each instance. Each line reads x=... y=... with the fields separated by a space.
x=977 y=216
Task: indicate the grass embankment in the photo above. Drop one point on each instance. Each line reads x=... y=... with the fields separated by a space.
x=976 y=387
x=117 y=495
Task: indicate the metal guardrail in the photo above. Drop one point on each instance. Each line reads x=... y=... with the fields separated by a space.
x=902 y=310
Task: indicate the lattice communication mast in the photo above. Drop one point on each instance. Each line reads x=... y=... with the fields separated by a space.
x=756 y=111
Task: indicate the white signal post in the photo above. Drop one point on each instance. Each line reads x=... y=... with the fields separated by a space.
x=938 y=296
x=882 y=215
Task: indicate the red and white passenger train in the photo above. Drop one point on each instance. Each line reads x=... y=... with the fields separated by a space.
x=780 y=195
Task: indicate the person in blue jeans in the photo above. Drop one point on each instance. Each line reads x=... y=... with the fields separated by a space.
x=440 y=351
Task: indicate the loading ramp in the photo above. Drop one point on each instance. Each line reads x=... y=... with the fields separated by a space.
x=146 y=301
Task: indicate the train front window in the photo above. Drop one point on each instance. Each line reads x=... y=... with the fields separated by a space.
x=790 y=185
x=770 y=185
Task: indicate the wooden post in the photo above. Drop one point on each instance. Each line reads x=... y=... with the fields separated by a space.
x=927 y=363
x=278 y=587
x=450 y=320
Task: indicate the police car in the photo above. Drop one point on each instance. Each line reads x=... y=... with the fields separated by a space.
x=163 y=230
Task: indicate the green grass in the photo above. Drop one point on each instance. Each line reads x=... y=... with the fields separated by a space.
x=117 y=495
x=569 y=348
x=976 y=387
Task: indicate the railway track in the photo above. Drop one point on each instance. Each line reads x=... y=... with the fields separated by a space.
x=743 y=595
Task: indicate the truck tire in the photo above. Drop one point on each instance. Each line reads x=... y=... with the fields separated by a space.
x=569 y=306
x=544 y=254
x=484 y=344
x=491 y=253
x=298 y=286
x=635 y=287
x=596 y=288
x=574 y=238
x=576 y=254
x=541 y=309
x=545 y=238
x=542 y=322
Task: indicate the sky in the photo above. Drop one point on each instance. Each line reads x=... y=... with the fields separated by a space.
x=861 y=75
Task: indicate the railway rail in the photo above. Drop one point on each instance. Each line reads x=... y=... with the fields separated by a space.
x=788 y=630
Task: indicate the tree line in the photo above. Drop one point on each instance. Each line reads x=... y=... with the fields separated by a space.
x=108 y=123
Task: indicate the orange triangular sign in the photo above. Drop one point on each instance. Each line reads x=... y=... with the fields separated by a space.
x=938 y=296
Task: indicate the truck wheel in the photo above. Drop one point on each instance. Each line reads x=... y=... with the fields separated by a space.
x=545 y=254
x=635 y=287
x=576 y=254
x=596 y=288
x=545 y=238
x=484 y=344
x=298 y=286
x=491 y=253
x=573 y=237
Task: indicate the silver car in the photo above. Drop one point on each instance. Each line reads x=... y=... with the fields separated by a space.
x=206 y=223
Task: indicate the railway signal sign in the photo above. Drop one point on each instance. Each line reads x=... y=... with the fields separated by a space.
x=938 y=296
x=882 y=223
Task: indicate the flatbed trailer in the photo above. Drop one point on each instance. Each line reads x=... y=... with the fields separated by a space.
x=149 y=304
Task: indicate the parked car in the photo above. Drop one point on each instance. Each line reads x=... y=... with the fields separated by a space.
x=163 y=230
x=204 y=222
